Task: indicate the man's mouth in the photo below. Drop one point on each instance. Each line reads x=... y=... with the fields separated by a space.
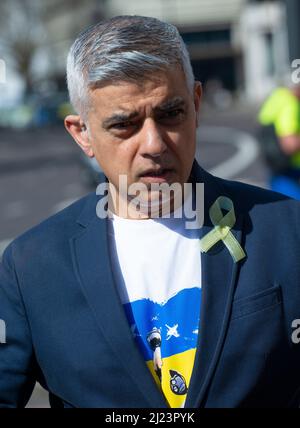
x=156 y=174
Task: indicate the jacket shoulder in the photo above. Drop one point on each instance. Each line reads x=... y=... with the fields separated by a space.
x=59 y=226
x=264 y=205
x=254 y=194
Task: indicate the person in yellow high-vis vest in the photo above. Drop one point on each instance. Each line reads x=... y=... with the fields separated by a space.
x=282 y=111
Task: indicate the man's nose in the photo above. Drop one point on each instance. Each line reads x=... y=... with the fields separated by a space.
x=152 y=139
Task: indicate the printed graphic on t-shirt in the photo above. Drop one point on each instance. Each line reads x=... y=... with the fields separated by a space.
x=167 y=335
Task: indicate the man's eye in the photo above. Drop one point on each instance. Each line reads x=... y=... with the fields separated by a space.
x=172 y=116
x=122 y=125
x=173 y=113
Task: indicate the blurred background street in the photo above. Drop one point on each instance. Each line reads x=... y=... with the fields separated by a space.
x=240 y=51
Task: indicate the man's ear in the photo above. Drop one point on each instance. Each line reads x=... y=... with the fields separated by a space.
x=76 y=127
x=197 y=99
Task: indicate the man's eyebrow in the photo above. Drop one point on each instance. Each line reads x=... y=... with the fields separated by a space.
x=119 y=117
x=123 y=117
x=171 y=104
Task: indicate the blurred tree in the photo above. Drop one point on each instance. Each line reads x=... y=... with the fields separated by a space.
x=24 y=30
x=20 y=35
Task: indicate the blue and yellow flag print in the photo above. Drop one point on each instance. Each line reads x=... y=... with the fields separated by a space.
x=167 y=334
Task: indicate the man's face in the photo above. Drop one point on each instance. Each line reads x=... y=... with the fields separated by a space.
x=146 y=131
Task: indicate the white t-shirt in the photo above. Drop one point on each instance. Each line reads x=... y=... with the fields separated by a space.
x=157 y=270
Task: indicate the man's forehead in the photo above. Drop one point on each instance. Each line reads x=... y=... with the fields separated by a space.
x=161 y=89
x=164 y=104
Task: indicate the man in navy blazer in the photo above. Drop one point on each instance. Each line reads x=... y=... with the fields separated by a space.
x=131 y=83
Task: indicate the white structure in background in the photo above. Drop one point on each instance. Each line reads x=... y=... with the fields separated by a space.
x=263 y=37
x=11 y=89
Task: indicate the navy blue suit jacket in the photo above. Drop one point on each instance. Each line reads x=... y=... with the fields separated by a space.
x=66 y=328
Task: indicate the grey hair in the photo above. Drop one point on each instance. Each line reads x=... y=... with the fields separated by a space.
x=123 y=48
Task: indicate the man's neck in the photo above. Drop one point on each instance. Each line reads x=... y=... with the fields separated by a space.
x=141 y=209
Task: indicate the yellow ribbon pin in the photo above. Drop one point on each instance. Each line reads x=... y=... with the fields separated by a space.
x=221 y=231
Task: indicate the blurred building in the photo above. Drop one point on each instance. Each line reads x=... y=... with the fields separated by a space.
x=238 y=45
x=209 y=29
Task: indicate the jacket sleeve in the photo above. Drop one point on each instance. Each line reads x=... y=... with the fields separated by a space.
x=17 y=378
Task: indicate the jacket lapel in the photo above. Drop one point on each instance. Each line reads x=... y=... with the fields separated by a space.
x=92 y=263
x=218 y=283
